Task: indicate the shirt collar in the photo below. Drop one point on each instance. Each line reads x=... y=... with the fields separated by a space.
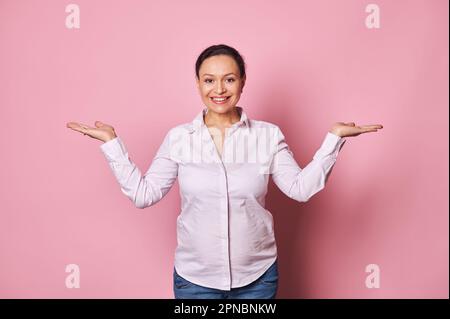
x=198 y=121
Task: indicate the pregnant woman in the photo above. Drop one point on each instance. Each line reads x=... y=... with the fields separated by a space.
x=223 y=160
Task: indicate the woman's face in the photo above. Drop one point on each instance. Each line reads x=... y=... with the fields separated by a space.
x=219 y=77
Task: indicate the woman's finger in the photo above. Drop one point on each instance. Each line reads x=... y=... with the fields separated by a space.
x=100 y=124
x=369 y=130
x=79 y=127
x=85 y=129
x=377 y=126
x=76 y=125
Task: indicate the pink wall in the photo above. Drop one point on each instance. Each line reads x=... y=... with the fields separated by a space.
x=310 y=63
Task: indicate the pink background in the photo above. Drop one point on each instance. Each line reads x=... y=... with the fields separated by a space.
x=310 y=63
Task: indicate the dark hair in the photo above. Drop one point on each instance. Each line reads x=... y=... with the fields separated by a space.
x=218 y=50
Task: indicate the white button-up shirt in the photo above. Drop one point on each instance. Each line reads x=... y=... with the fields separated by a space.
x=225 y=234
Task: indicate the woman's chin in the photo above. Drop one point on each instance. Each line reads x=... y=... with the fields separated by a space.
x=220 y=108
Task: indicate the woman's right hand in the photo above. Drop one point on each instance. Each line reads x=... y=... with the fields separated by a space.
x=102 y=131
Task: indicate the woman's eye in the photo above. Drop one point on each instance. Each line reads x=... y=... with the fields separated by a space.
x=209 y=80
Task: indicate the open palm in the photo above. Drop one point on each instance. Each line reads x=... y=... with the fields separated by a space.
x=102 y=131
x=350 y=129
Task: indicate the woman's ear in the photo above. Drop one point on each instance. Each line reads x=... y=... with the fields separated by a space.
x=197 y=81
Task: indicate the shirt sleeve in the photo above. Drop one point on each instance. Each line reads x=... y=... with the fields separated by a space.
x=302 y=183
x=145 y=190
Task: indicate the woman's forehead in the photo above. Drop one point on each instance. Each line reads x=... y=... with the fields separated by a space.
x=219 y=65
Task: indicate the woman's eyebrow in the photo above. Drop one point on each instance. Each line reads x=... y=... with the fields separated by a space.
x=213 y=74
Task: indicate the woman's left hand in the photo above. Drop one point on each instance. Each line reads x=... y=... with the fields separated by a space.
x=350 y=129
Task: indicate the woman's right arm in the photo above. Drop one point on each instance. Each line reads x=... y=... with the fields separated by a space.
x=145 y=190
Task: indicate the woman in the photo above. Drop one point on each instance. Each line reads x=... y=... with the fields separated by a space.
x=223 y=160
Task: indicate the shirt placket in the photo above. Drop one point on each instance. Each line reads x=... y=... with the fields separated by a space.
x=225 y=222
x=225 y=205
x=224 y=211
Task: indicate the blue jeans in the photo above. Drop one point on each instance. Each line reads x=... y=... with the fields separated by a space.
x=265 y=287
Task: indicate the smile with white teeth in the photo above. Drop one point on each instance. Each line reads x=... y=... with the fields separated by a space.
x=220 y=100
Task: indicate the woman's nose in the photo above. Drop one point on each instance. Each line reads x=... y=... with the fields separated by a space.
x=219 y=88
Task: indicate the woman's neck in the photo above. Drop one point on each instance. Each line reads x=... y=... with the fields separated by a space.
x=213 y=119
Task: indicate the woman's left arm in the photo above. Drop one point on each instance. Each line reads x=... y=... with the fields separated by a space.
x=302 y=183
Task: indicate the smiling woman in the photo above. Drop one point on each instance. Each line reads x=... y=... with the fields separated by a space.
x=220 y=74
x=226 y=246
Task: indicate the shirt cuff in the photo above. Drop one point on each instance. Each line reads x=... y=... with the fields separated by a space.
x=331 y=145
x=114 y=150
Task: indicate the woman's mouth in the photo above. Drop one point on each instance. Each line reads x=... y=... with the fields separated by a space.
x=220 y=100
